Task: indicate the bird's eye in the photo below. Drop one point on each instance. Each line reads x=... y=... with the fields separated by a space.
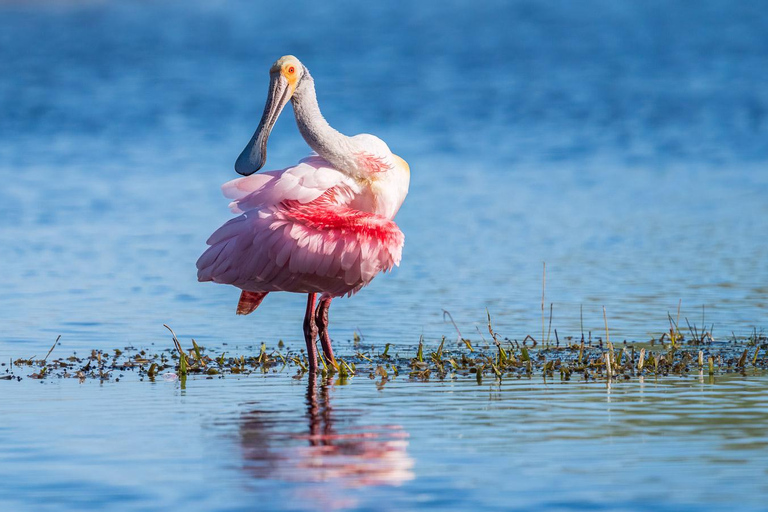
x=291 y=70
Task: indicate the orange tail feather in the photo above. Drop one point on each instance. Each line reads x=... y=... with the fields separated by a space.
x=249 y=301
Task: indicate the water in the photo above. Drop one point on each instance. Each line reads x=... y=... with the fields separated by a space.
x=622 y=143
x=234 y=444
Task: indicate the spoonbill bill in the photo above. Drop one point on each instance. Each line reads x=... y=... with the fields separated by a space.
x=323 y=226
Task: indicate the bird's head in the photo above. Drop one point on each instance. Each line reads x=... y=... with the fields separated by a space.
x=284 y=76
x=288 y=68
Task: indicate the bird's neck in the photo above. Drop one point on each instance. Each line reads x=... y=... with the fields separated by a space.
x=330 y=144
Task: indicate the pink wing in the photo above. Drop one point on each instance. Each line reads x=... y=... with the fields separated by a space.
x=298 y=235
x=304 y=182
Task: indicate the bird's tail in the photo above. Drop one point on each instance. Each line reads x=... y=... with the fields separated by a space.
x=249 y=301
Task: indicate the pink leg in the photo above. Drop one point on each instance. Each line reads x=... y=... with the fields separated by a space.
x=310 y=332
x=321 y=318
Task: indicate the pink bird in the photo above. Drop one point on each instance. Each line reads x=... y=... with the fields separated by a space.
x=322 y=226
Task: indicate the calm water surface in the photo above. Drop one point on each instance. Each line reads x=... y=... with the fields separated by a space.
x=274 y=442
x=624 y=143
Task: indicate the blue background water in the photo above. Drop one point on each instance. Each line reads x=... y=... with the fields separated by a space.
x=243 y=444
x=624 y=143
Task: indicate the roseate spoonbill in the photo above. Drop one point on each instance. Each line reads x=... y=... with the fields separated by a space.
x=322 y=226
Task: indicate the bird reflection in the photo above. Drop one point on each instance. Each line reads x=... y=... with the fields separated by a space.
x=331 y=448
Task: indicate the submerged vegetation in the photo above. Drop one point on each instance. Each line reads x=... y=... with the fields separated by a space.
x=497 y=358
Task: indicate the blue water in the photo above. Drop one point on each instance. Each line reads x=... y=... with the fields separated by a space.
x=622 y=143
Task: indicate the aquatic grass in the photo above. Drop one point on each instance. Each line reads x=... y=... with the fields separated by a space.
x=499 y=360
x=742 y=360
x=182 y=356
x=524 y=355
x=549 y=329
x=420 y=352
x=543 y=291
x=757 y=338
x=461 y=338
x=674 y=333
x=198 y=355
x=52 y=347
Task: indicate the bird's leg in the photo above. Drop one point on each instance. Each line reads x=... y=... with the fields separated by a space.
x=321 y=318
x=310 y=332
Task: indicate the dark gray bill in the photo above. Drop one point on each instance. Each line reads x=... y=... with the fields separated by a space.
x=254 y=156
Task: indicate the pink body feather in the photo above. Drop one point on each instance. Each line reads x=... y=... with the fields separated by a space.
x=306 y=229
